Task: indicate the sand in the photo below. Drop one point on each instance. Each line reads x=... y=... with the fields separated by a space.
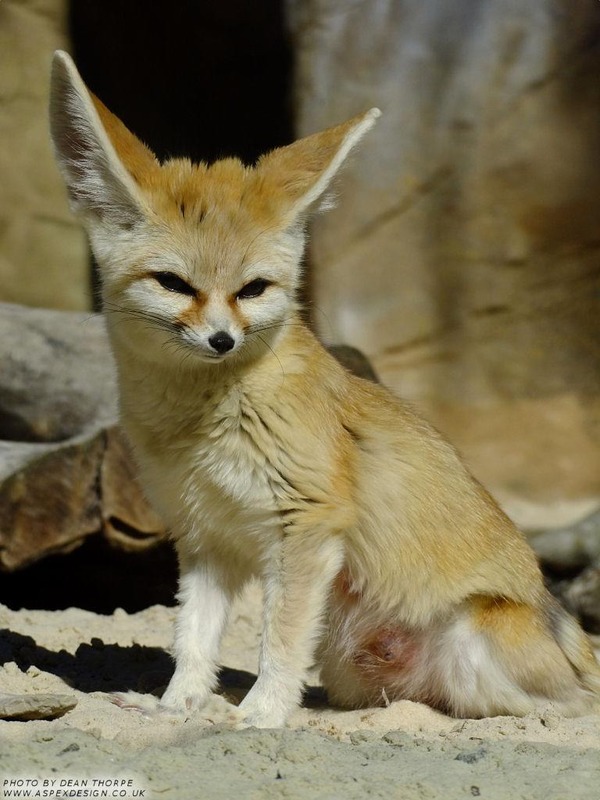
x=406 y=751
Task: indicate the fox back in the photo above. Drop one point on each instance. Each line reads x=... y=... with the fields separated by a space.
x=379 y=554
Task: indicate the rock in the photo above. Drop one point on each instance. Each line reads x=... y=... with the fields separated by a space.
x=472 y=756
x=463 y=255
x=354 y=360
x=569 y=550
x=65 y=472
x=35 y=706
x=128 y=520
x=582 y=598
x=570 y=558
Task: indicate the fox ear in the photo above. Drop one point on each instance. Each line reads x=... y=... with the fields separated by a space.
x=97 y=155
x=303 y=170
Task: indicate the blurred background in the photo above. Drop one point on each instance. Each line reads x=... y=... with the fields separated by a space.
x=463 y=257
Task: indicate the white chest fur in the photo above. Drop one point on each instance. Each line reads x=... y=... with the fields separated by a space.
x=207 y=463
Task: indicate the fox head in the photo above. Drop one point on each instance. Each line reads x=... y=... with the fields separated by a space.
x=204 y=257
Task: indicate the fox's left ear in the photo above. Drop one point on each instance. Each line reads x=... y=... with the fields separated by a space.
x=303 y=170
x=98 y=156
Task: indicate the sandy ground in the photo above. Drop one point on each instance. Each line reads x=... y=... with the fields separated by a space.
x=406 y=751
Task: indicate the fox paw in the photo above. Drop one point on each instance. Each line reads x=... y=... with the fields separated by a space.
x=145 y=704
x=215 y=709
x=150 y=706
x=259 y=715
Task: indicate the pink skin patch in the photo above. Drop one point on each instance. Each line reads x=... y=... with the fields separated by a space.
x=384 y=654
x=389 y=649
x=386 y=658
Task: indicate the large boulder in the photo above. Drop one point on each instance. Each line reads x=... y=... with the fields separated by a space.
x=463 y=256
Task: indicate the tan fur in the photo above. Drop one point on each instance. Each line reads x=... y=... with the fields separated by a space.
x=194 y=312
x=138 y=159
x=379 y=554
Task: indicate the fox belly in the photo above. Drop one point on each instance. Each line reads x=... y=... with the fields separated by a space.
x=484 y=657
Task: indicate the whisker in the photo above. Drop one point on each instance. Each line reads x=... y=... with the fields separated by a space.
x=311 y=307
x=289 y=323
x=90 y=316
x=275 y=354
x=173 y=344
x=154 y=320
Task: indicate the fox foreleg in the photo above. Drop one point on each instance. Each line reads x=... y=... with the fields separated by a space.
x=205 y=597
x=297 y=580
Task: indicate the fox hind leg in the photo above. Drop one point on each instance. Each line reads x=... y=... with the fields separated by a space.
x=492 y=656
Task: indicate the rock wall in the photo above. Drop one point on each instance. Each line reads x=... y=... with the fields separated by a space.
x=464 y=254
x=43 y=251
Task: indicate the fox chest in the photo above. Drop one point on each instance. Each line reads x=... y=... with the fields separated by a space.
x=218 y=478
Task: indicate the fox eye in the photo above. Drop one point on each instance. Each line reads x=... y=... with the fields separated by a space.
x=173 y=283
x=253 y=289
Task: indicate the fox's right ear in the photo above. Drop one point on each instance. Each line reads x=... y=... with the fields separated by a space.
x=304 y=170
x=97 y=156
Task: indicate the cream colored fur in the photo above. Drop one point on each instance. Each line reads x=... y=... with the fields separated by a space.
x=380 y=556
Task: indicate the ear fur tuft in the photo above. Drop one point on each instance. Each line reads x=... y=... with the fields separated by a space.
x=87 y=140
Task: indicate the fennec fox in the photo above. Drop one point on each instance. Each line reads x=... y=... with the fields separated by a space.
x=380 y=556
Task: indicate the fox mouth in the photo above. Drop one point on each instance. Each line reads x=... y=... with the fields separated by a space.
x=204 y=356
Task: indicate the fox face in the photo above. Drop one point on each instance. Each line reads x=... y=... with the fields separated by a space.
x=201 y=261
x=208 y=283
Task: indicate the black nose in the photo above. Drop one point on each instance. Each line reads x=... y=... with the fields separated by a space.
x=221 y=341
